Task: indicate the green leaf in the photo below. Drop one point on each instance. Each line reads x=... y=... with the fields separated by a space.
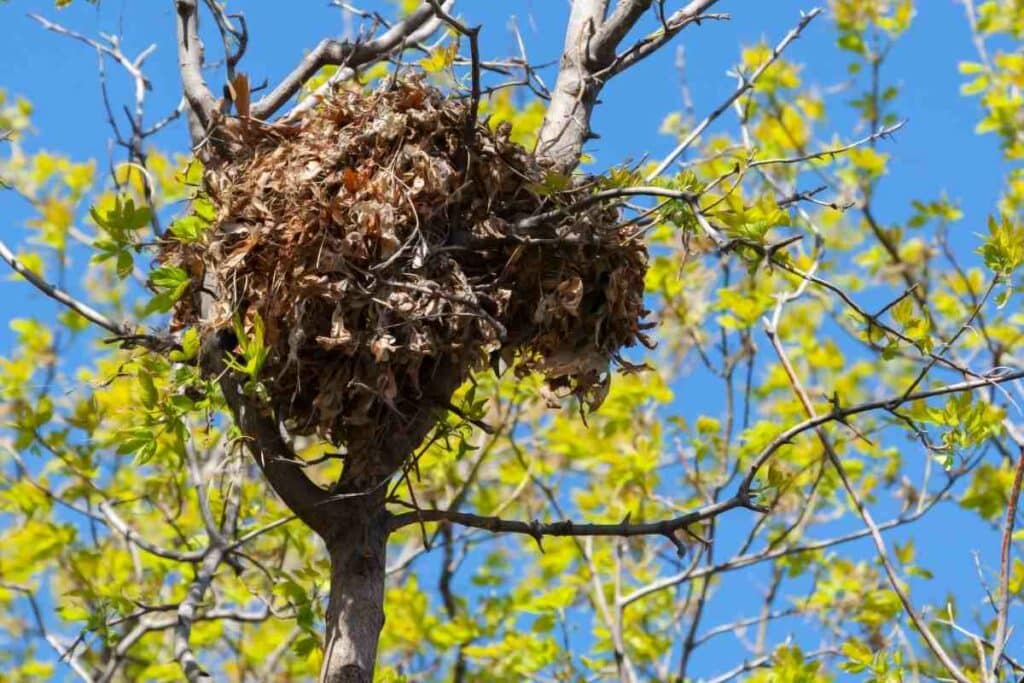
x=859 y=656
x=190 y=342
x=148 y=389
x=170 y=282
x=1003 y=248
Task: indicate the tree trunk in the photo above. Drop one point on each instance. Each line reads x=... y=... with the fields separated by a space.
x=355 y=610
x=357 y=531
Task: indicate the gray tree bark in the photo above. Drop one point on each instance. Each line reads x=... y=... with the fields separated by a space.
x=355 y=609
x=567 y=122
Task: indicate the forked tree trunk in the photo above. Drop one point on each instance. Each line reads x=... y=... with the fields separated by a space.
x=355 y=609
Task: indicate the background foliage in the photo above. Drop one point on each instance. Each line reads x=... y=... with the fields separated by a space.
x=119 y=468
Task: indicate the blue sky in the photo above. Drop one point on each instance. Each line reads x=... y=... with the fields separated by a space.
x=936 y=152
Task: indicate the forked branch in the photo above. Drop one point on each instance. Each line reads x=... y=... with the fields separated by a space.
x=669 y=528
x=422 y=22
x=263 y=438
x=588 y=60
x=876 y=536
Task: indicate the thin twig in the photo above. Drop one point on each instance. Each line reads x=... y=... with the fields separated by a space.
x=349 y=57
x=472 y=33
x=123 y=332
x=838 y=414
x=1003 y=609
x=894 y=583
x=746 y=85
x=59 y=295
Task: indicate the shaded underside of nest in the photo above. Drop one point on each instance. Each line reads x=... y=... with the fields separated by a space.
x=381 y=244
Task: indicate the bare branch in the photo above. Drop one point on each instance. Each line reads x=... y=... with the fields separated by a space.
x=839 y=414
x=1003 y=609
x=538 y=530
x=588 y=61
x=134 y=142
x=59 y=295
x=250 y=535
x=767 y=555
x=107 y=517
x=202 y=103
x=228 y=33
x=187 y=613
x=879 y=134
x=874 y=319
x=622 y=19
x=65 y=653
x=694 y=13
x=717 y=237
x=602 y=196
x=351 y=56
x=765 y=660
x=473 y=35
x=743 y=623
x=922 y=628
x=117 y=524
x=890 y=571
x=113 y=50
x=347 y=71
x=263 y=438
x=123 y=332
x=745 y=86
x=949 y=342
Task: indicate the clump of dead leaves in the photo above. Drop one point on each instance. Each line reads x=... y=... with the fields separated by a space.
x=380 y=246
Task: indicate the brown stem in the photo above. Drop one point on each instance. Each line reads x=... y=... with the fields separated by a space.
x=418 y=25
x=1003 y=609
x=665 y=527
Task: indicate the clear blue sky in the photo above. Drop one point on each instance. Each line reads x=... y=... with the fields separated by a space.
x=936 y=152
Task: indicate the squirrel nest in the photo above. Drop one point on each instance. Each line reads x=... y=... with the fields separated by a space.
x=379 y=248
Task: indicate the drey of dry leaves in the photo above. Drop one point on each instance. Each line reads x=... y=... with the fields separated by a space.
x=379 y=246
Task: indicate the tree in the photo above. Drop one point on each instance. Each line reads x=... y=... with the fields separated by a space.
x=373 y=345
